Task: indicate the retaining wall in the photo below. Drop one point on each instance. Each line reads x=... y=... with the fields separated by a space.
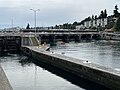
x=107 y=77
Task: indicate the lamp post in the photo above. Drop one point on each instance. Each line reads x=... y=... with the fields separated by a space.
x=11 y=23
x=35 y=10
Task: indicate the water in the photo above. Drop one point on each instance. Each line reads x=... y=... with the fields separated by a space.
x=104 y=53
x=28 y=76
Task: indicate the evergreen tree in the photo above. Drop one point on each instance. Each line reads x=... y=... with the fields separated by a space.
x=28 y=26
x=116 y=7
x=52 y=27
x=92 y=17
x=115 y=12
x=95 y=16
x=75 y=23
x=101 y=15
x=117 y=25
x=105 y=13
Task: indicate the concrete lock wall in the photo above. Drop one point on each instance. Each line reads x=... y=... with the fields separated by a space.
x=101 y=75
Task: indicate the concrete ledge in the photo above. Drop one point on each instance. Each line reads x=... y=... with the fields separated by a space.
x=107 y=77
x=4 y=83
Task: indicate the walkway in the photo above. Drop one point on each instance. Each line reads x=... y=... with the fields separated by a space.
x=4 y=83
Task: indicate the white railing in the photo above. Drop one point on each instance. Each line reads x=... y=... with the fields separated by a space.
x=9 y=34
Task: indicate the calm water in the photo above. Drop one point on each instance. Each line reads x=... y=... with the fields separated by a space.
x=105 y=53
x=28 y=76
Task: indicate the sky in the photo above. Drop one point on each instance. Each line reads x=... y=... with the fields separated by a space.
x=51 y=12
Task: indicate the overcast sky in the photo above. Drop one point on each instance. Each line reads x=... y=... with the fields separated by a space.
x=51 y=12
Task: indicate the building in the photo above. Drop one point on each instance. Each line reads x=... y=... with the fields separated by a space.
x=80 y=27
x=96 y=23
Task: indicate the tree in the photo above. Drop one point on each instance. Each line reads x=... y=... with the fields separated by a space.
x=28 y=26
x=117 y=25
x=75 y=23
x=56 y=27
x=52 y=27
x=116 y=7
x=92 y=17
x=105 y=13
x=95 y=16
x=101 y=15
x=115 y=12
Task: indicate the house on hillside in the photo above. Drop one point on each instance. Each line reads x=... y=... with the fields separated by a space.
x=98 y=23
x=80 y=27
x=95 y=23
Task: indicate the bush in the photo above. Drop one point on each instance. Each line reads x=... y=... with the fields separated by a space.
x=117 y=26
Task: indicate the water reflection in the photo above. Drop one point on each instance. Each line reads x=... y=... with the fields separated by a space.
x=25 y=60
x=24 y=75
x=82 y=83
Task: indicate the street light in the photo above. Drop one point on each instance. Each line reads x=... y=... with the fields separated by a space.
x=35 y=10
x=11 y=23
x=35 y=16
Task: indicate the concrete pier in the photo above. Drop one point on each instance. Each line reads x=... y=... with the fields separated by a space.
x=4 y=83
x=107 y=77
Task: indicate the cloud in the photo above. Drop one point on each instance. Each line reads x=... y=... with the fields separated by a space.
x=52 y=11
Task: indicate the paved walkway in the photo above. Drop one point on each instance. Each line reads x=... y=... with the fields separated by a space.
x=4 y=83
